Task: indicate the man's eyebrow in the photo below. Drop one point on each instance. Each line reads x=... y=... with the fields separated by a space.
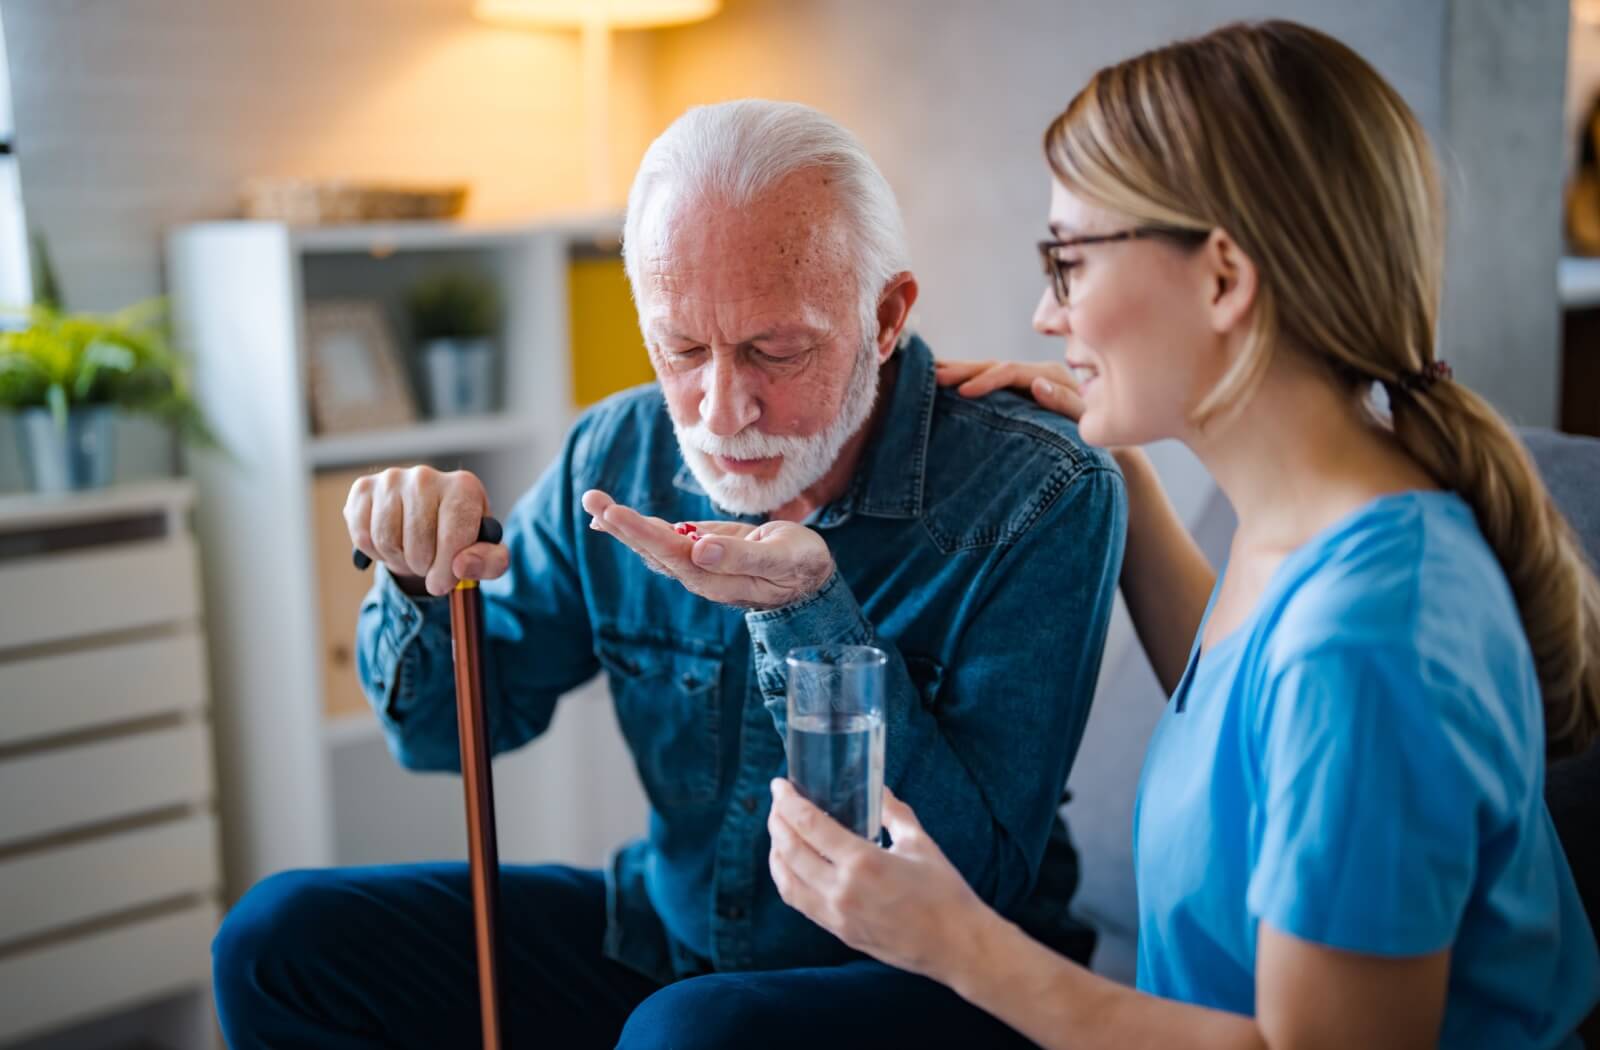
x=776 y=332
x=1063 y=231
x=783 y=331
x=655 y=334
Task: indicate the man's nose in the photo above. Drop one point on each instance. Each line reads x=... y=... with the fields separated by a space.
x=1050 y=317
x=727 y=405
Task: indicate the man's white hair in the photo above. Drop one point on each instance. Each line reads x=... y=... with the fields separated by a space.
x=733 y=151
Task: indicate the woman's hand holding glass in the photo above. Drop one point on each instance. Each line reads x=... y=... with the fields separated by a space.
x=906 y=905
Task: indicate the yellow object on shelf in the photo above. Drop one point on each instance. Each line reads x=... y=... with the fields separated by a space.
x=608 y=352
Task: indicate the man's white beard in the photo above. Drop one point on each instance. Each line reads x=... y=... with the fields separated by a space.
x=805 y=459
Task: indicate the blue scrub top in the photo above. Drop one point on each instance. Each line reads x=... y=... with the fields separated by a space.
x=1361 y=765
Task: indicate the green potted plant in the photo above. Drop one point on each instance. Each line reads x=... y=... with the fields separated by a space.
x=64 y=376
x=454 y=316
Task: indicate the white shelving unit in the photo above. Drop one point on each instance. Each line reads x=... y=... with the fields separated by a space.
x=486 y=433
x=108 y=837
x=301 y=787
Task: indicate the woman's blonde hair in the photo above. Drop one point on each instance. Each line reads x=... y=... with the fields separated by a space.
x=1315 y=166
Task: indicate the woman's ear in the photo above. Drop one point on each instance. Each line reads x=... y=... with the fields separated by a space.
x=1231 y=281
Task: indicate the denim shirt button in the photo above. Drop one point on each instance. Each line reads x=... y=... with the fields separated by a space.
x=750 y=803
x=733 y=911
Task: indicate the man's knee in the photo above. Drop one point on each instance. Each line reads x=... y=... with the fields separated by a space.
x=704 y=1013
x=275 y=921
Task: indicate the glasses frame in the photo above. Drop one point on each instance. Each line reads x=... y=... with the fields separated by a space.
x=1056 y=269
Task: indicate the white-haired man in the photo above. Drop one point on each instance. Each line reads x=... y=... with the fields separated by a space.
x=859 y=504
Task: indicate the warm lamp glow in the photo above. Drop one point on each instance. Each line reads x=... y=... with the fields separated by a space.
x=617 y=14
x=595 y=19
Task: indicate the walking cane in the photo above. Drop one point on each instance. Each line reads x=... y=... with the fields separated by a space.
x=477 y=780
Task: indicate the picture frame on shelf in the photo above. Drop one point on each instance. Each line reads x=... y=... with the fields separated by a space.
x=357 y=380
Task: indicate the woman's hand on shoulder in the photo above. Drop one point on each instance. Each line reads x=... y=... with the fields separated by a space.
x=1050 y=383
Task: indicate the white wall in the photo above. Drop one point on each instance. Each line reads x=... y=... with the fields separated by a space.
x=167 y=105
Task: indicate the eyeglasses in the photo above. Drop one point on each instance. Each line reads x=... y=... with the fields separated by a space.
x=1059 y=269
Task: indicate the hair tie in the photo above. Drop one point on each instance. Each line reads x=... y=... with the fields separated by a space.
x=1431 y=373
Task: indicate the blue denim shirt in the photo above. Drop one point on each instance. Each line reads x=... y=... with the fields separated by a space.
x=978 y=545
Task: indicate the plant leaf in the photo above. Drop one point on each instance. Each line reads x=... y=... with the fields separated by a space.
x=57 y=396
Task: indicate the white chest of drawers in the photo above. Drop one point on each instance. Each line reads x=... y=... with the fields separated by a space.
x=108 y=835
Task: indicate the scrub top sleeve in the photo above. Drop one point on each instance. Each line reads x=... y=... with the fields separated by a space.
x=1373 y=786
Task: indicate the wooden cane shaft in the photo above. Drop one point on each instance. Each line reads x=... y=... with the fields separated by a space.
x=466 y=634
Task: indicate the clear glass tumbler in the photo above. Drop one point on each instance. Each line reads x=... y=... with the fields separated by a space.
x=836 y=732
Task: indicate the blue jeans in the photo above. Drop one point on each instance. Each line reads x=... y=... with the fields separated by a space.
x=384 y=957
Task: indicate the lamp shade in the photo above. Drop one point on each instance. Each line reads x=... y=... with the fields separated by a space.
x=614 y=14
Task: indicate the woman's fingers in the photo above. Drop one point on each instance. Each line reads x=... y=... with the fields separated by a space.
x=804 y=861
x=952 y=373
x=1014 y=375
x=814 y=827
x=996 y=377
x=1058 y=397
x=799 y=894
x=899 y=819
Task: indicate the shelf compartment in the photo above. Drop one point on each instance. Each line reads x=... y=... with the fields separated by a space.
x=420 y=440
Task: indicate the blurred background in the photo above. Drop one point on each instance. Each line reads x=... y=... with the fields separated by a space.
x=250 y=251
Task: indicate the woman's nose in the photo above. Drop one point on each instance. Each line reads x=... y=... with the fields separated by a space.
x=1049 y=317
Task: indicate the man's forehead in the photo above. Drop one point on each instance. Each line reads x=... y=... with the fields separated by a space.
x=797 y=220
x=761 y=284
x=789 y=321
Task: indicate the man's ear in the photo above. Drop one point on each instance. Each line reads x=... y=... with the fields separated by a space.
x=894 y=309
x=1231 y=281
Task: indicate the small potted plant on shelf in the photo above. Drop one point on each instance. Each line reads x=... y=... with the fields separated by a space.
x=454 y=317
x=65 y=376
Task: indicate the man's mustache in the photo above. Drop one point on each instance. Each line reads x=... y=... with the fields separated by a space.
x=747 y=444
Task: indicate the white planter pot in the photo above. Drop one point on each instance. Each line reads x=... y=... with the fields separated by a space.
x=460 y=374
x=60 y=458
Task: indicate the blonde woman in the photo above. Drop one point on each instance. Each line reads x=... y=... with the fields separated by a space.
x=1340 y=838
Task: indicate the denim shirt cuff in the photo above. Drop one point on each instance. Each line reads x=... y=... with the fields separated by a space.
x=403 y=618
x=831 y=616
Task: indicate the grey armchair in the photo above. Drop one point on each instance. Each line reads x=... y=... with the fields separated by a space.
x=1571 y=469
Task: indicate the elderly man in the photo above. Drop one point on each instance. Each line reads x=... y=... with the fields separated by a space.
x=977 y=542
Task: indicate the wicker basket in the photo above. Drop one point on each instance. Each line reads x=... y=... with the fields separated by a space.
x=322 y=202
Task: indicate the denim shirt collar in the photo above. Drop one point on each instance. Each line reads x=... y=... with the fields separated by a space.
x=888 y=483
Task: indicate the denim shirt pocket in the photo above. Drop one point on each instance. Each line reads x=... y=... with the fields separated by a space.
x=667 y=698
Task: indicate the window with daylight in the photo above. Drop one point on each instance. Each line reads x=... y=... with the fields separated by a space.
x=15 y=286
